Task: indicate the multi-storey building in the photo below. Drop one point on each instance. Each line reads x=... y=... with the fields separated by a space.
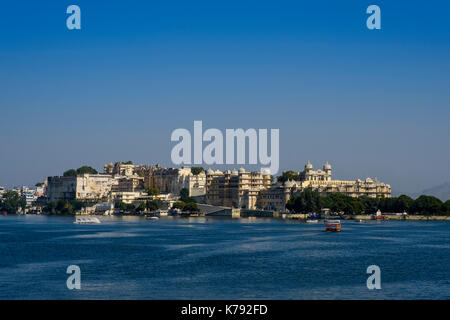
x=81 y=187
x=128 y=184
x=238 y=189
x=321 y=181
x=276 y=197
x=119 y=168
x=172 y=180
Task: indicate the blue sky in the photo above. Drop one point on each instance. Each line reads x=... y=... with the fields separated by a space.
x=371 y=102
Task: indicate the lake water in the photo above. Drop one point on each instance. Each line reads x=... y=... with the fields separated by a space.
x=213 y=258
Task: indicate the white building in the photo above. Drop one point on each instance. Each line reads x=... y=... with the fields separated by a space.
x=81 y=187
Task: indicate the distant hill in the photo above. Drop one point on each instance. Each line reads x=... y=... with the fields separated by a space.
x=442 y=192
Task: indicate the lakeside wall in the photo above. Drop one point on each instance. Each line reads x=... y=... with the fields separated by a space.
x=408 y=217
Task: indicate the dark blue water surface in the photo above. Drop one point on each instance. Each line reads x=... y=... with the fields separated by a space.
x=211 y=258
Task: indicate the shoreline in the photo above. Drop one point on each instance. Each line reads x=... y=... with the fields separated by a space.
x=406 y=218
x=276 y=215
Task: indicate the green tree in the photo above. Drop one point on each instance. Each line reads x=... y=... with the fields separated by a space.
x=141 y=207
x=153 y=205
x=445 y=209
x=120 y=205
x=152 y=191
x=77 y=205
x=12 y=202
x=50 y=207
x=305 y=202
x=178 y=205
x=190 y=207
x=288 y=175
x=370 y=204
x=86 y=169
x=426 y=205
x=184 y=196
x=197 y=170
x=404 y=203
x=356 y=207
x=338 y=202
x=70 y=173
x=64 y=207
x=388 y=205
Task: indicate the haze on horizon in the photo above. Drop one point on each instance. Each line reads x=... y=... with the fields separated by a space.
x=374 y=103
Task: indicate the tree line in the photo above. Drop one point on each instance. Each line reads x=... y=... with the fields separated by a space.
x=79 y=171
x=311 y=201
x=12 y=202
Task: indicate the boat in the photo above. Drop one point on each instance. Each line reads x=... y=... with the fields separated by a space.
x=333 y=225
x=87 y=221
x=151 y=218
x=379 y=216
x=312 y=221
x=162 y=213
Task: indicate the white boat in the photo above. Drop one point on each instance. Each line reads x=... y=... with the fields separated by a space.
x=152 y=218
x=332 y=221
x=87 y=221
x=312 y=221
x=162 y=213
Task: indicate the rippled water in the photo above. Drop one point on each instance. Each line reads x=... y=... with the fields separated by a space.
x=211 y=258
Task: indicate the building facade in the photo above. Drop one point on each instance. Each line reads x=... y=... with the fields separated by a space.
x=81 y=187
x=321 y=181
x=236 y=189
x=172 y=180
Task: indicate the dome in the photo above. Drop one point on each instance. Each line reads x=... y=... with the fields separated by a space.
x=241 y=170
x=218 y=172
x=369 y=180
x=235 y=172
x=308 y=165
x=227 y=172
x=209 y=171
x=326 y=166
x=266 y=171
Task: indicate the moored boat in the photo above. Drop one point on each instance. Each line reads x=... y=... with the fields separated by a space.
x=379 y=216
x=88 y=220
x=333 y=225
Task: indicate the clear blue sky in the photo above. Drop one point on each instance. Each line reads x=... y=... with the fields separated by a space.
x=372 y=103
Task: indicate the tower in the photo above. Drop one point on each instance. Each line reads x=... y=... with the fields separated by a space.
x=327 y=170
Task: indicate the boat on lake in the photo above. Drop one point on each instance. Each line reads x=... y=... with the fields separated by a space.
x=379 y=216
x=88 y=220
x=333 y=225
